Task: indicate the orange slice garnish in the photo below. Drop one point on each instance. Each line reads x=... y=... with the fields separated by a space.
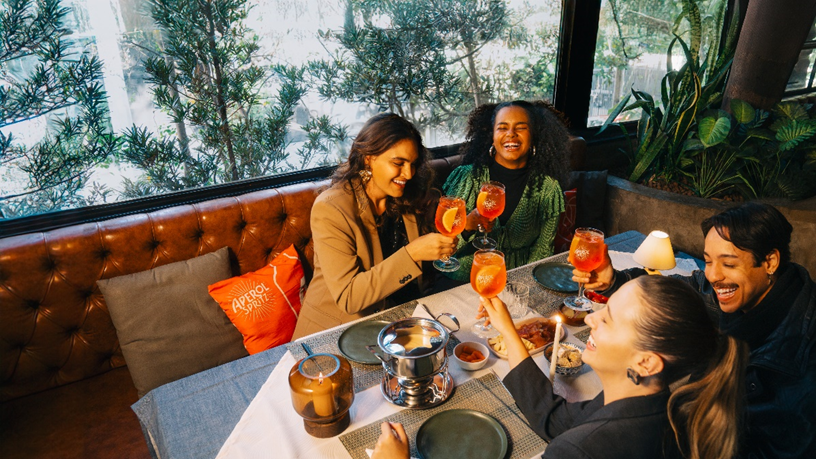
x=481 y=199
x=449 y=218
x=486 y=276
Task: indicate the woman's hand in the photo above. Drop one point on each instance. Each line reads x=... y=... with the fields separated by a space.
x=496 y=313
x=429 y=247
x=599 y=279
x=474 y=219
x=393 y=443
x=503 y=323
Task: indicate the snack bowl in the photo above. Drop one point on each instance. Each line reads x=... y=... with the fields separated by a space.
x=470 y=366
x=565 y=370
x=573 y=316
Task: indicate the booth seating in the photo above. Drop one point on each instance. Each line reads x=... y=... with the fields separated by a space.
x=65 y=390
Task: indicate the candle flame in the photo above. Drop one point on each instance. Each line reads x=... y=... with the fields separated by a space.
x=558 y=318
x=320 y=378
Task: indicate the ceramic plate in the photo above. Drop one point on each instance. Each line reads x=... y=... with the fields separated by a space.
x=353 y=341
x=463 y=434
x=556 y=276
x=501 y=355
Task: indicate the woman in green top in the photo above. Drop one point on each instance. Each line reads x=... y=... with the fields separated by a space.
x=524 y=146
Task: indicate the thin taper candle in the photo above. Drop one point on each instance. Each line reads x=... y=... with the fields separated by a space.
x=554 y=355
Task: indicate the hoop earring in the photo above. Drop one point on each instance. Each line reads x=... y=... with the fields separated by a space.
x=491 y=152
x=770 y=278
x=633 y=376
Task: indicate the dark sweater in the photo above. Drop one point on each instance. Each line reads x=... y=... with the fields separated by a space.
x=631 y=428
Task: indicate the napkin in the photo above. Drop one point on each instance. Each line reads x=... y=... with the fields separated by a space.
x=625 y=260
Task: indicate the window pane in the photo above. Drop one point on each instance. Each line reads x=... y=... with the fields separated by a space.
x=802 y=76
x=631 y=50
x=285 y=86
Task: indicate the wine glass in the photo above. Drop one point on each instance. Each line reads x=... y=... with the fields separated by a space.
x=450 y=221
x=586 y=253
x=490 y=204
x=488 y=276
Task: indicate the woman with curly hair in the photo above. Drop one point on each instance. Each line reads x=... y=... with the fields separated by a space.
x=368 y=251
x=523 y=145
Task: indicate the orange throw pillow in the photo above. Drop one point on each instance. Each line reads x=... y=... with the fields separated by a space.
x=264 y=305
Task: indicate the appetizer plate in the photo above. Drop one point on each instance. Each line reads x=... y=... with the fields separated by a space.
x=353 y=341
x=455 y=434
x=538 y=350
x=555 y=276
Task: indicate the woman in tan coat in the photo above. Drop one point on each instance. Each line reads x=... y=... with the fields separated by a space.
x=368 y=249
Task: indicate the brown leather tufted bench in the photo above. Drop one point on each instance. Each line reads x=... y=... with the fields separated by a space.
x=65 y=391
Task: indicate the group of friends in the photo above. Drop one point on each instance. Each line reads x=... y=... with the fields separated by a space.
x=718 y=364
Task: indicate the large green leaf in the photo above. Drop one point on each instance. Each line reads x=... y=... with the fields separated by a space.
x=647 y=156
x=795 y=133
x=742 y=111
x=791 y=110
x=712 y=130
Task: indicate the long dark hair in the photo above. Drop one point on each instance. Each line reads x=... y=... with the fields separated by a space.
x=380 y=133
x=674 y=324
x=549 y=137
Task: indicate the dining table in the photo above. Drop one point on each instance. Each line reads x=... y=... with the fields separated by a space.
x=244 y=409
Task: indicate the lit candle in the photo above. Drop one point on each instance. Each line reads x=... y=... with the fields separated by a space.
x=554 y=355
x=322 y=396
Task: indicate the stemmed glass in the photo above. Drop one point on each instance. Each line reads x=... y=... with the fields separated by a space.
x=490 y=204
x=450 y=221
x=488 y=276
x=586 y=253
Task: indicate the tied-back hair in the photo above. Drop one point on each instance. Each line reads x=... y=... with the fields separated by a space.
x=753 y=227
x=379 y=134
x=549 y=136
x=705 y=412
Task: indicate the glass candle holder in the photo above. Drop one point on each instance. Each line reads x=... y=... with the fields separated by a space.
x=322 y=390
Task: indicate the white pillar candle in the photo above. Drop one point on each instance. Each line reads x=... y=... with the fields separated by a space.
x=554 y=355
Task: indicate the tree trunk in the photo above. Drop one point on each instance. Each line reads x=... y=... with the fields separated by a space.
x=474 y=76
x=769 y=45
x=220 y=101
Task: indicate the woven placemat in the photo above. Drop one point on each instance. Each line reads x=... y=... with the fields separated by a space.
x=544 y=301
x=485 y=394
x=365 y=376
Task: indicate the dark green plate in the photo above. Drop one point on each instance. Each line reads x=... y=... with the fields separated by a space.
x=353 y=341
x=466 y=434
x=556 y=276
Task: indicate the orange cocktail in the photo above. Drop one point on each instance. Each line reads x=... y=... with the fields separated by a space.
x=488 y=274
x=586 y=253
x=586 y=250
x=490 y=204
x=450 y=221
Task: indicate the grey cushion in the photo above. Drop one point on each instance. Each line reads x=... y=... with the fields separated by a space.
x=168 y=325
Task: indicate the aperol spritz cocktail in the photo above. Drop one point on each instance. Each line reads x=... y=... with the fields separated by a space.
x=586 y=253
x=490 y=204
x=488 y=276
x=450 y=221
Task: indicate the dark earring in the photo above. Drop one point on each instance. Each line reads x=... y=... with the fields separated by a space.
x=492 y=151
x=633 y=376
x=770 y=278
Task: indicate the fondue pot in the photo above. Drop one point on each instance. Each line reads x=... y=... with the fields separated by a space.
x=413 y=348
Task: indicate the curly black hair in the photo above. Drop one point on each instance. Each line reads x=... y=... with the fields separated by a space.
x=549 y=137
x=379 y=134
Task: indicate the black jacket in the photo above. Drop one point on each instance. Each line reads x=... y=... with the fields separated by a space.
x=631 y=428
x=781 y=374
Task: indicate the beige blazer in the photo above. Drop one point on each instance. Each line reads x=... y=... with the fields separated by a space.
x=351 y=279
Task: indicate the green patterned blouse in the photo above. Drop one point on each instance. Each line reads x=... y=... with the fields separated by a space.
x=529 y=233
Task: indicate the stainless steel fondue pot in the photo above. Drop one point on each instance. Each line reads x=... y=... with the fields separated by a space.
x=413 y=348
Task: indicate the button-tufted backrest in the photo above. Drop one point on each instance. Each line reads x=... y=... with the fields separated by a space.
x=55 y=326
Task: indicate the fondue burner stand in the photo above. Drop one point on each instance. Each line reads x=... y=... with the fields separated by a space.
x=418 y=393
